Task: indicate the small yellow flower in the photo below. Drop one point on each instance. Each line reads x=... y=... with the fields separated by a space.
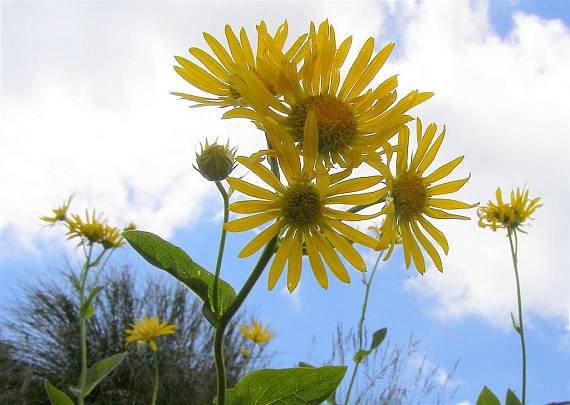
x=256 y=333
x=301 y=210
x=147 y=330
x=112 y=237
x=59 y=213
x=510 y=215
x=412 y=196
x=92 y=228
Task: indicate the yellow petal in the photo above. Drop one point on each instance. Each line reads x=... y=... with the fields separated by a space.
x=152 y=345
x=428 y=246
x=210 y=63
x=348 y=216
x=250 y=189
x=357 y=68
x=345 y=248
x=261 y=239
x=353 y=234
x=334 y=263
x=316 y=262
x=352 y=185
x=449 y=187
x=430 y=155
x=252 y=206
x=443 y=171
x=219 y=51
x=435 y=233
x=247 y=223
x=449 y=204
x=310 y=144
x=413 y=246
x=438 y=214
x=262 y=172
x=363 y=198
x=294 y=271
x=279 y=261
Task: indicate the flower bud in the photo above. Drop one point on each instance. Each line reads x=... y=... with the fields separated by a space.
x=215 y=162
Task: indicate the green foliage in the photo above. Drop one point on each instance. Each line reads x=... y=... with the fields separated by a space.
x=175 y=261
x=101 y=369
x=512 y=399
x=377 y=339
x=486 y=397
x=306 y=385
x=57 y=397
x=44 y=344
x=86 y=310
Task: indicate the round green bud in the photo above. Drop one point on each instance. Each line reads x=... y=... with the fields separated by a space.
x=215 y=162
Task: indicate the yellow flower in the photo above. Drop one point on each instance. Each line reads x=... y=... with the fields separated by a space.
x=353 y=120
x=219 y=77
x=256 y=333
x=94 y=229
x=59 y=213
x=301 y=210
x=147 y=330
x=412 y=196
x=508 y=215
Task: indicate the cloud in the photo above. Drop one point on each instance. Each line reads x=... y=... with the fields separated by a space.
x=499 y=99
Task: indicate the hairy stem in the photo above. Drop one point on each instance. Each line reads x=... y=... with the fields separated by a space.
x=520 y=330
x=226 y=199
x=83 y=325
x=367 y=285
x=358 y=208
x=155 y=377
x=230 y=312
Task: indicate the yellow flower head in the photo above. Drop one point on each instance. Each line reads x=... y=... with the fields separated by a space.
x=302 y=210
x=256 y=333
x=219 y=74
x=353 y=120
x=59 y=213
x=94 y=229
x=147 y=330
x=510 y=215
x=412 y=197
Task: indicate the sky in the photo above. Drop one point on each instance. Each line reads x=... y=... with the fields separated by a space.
x=86 y=109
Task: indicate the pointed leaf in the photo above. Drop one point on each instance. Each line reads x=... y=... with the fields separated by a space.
x=175 y=261
x=100 y=370
x=303 y=385
x=57 y=397
x=512 y=398
x=84 y=310
x=486 y=397
x=377 y=338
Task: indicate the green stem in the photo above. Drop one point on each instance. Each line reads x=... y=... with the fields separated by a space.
x=367 y=285
x=226 y=199
x=520 y=330
x=230 y=312
x=357 y=208
x=83 y=326
x=155 y=378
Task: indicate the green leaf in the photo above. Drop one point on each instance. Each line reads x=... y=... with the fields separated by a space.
x=377 y=339
x=512 y=398
x=175 y=261
x=100 y=370
x=303 y=364
x=87 y=309
x=303 y=385
x=226 y=295
x=57 y=397
x=486 y=397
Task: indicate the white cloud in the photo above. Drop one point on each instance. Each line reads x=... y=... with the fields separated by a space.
x=499 y=99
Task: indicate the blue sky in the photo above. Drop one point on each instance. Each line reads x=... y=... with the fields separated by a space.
x=87 y=111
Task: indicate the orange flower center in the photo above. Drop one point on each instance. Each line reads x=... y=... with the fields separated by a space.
x=301 y=205
x=335 y=121
x=410 y=195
